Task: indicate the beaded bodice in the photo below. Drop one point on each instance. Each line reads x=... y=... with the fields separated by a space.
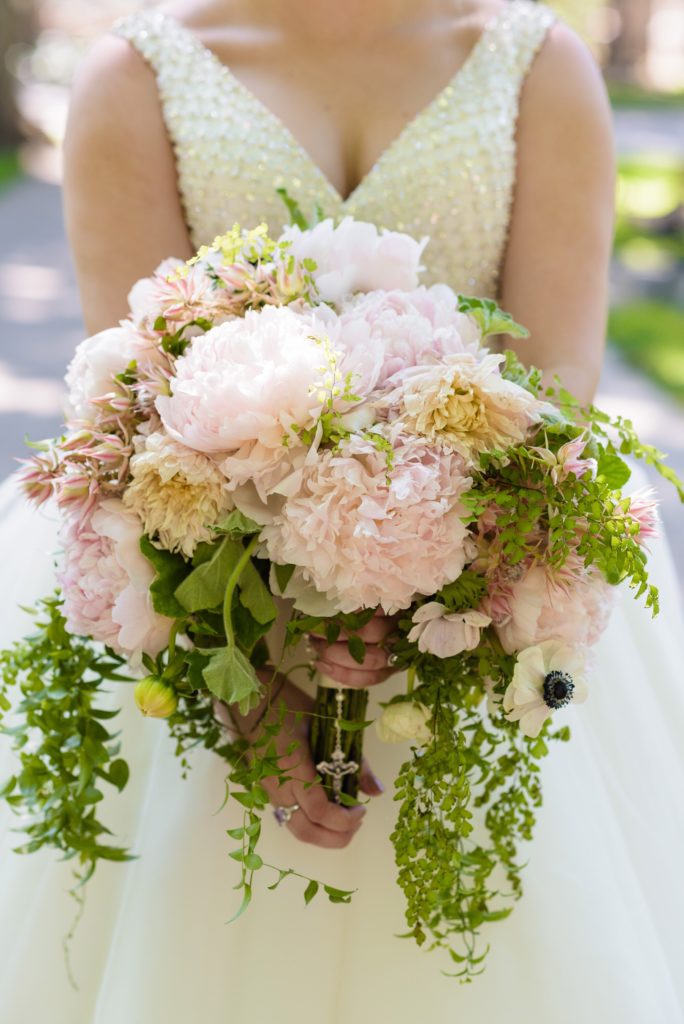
x=450 y=173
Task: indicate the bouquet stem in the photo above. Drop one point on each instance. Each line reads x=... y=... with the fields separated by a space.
x=338 y=751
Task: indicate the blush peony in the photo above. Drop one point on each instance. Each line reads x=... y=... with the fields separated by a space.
x=386 y=332
x=541 y=607
x=361 y=536
x=105 y=579
x=355 y=257
x=248 y=380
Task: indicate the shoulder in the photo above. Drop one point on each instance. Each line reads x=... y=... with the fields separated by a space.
x=565 y=81
x=565 y=110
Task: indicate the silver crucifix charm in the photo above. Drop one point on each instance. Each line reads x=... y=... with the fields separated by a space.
x=337 y=767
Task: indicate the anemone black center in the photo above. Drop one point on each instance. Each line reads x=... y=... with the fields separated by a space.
x=558 y=689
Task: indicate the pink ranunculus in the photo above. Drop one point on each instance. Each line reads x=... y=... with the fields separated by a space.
x=105 y=579
x=446 y=634
x=386 y=332
x=575 y=610
x=248 y=380
x=98 y=359
x=362 y=536
x=355 y=257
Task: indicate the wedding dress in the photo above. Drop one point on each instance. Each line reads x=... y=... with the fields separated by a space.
x=598 y=937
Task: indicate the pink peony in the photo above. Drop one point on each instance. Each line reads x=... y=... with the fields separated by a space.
x=386 y=332
x=105 y=579
x=355 y=257
x=361 y=537
x=575 y=611
x=248 y=380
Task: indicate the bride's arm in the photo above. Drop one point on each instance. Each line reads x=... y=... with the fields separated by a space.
x=556 y=267
x=122 y=210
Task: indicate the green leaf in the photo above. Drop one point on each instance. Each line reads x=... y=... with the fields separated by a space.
x=118 y=773
x=253 y=861
x=357 y=648
x=338 y=895
x=293 y=208
x=204 y=588
x=490 y=317
x=310 y=891
x=231 y=678
x=237 y=525
x=255 y=595
x=613 y=470
x=283 y=575
x=170 y=570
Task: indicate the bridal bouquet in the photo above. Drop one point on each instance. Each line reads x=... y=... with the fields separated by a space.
x=298 y=424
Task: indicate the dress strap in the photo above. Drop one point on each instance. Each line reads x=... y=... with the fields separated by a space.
x=517 y=35
x=159 y=39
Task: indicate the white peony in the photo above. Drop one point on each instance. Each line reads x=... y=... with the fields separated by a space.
x=96 y=362
x=355 y=257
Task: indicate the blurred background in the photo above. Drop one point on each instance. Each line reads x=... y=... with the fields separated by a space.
x=640 y=47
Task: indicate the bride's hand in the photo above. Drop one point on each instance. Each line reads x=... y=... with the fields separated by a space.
x=335 y=661
x=318 y=821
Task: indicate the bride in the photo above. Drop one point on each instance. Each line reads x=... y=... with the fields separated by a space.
x=485 y=125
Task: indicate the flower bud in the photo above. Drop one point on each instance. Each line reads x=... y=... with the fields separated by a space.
x=407 y=720
x=154 y=698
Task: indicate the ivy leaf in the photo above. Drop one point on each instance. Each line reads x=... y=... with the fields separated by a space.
x=205 y=586
x=231 y=678
x=170 y=570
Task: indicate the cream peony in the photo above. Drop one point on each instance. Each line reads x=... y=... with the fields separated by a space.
x=248 y=380
x=404 y=720
x=361 y=536
x=462 y=401
x=546 y=677
x=355 y=257
x=446 y=634
x=176 y=493
x=105 y=579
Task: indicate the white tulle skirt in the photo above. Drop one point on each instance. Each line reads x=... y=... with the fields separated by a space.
x=598 y=937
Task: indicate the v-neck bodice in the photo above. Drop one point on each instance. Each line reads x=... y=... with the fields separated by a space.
x=449 y=174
